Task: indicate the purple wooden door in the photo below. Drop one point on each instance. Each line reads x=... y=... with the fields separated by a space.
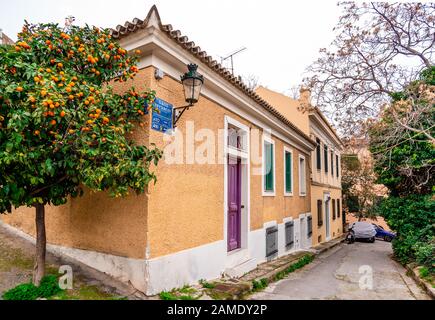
x=234 y=204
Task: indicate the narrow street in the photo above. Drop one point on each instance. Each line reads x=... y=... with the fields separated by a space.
x=336 y=275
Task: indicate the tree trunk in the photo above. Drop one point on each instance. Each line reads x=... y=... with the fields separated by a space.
x=39 y=270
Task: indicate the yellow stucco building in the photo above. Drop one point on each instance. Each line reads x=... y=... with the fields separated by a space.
x=235 y=187
x=325 y=167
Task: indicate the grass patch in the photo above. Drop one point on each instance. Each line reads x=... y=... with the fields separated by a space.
x=206 y=285
x=292 y=268
x=426 y=275
x=184 y=293
x=28 y=291
x=263 y=283
x=86 y=293
x=259 y=285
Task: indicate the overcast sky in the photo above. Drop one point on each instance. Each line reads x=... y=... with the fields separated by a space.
x=282 y=37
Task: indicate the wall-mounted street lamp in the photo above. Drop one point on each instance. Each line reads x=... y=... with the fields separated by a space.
x=192 y=84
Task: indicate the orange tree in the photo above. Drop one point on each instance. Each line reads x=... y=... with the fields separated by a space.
x=61 y=125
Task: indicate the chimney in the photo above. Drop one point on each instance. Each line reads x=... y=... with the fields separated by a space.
x=305 y=95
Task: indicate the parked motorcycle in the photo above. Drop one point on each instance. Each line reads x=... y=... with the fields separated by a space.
x=350 y=237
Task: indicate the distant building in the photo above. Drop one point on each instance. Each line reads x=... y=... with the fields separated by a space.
x=4 y=39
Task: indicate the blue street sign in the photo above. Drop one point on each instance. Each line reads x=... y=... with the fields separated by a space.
x=162 y=115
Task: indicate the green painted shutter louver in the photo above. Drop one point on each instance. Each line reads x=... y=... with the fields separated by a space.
x=268 y=181
x=288 y=177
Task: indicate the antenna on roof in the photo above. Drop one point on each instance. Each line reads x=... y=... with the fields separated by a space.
x=230 y=57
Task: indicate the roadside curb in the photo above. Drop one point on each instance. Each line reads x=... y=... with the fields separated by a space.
x=319 y=249
x=427 y=287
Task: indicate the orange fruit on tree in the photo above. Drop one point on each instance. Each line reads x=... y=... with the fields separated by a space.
x=20 y=89
x=53 y=122
x=37 y=132
x=62 y=113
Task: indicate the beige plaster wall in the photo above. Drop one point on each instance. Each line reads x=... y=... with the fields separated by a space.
x=336 y=226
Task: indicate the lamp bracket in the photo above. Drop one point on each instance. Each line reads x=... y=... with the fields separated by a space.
x=178 y=112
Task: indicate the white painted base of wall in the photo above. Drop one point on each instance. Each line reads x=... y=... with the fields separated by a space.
x=186 y=267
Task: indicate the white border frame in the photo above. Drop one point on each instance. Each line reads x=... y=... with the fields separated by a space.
x=270 y=140
x=302 y=194
x=288 y=194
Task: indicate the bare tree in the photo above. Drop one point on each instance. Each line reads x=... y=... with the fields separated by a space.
x=380 y=48
x=294 y=92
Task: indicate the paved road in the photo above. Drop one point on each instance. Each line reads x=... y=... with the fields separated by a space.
x=336 y=275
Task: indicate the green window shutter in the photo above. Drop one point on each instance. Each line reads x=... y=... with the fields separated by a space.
x=288 y=172
x=268 y=179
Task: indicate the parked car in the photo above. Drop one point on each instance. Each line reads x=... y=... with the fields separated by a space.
x=384 y=234
x=363 y=231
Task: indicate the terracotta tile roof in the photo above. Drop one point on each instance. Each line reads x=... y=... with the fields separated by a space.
x=4 y=39
x=128 y=28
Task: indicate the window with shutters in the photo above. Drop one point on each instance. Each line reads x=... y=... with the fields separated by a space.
x=289 y=234
x=333 y=209
x=288 y=172
x=269 y=167
x=325 y=152
x=332 y=163
x=271 y=241
x=302 y=176
x=337 y=168
x=318 y=154
x=319 y=213
x=338 y=208
x=309 y=226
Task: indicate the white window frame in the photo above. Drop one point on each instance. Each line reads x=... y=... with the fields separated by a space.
x=272 y=142
x=288 y=150
x=302 y=194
